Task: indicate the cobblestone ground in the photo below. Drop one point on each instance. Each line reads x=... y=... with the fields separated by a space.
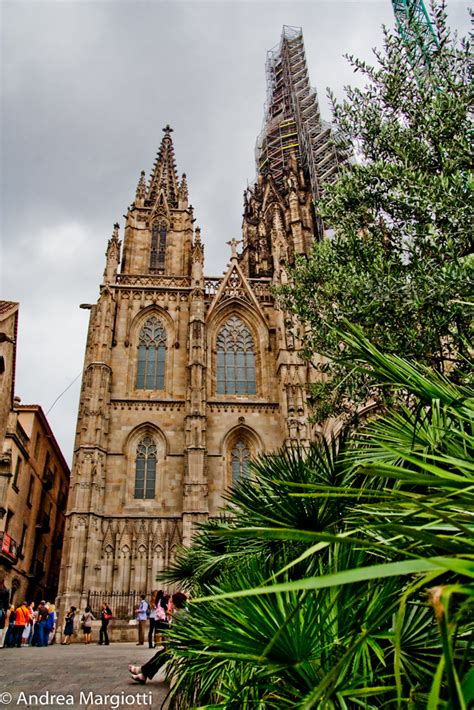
x=83 y=675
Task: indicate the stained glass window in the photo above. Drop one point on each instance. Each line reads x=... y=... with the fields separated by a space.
x=235 y=359
x=151 y=356
x=240 y=458
x=145 y=468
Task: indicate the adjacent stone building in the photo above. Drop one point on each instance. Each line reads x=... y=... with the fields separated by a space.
x=34 y=483
x=186 y=377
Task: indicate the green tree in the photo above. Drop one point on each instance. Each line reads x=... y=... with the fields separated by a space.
x=315 y=588
x=399 y=264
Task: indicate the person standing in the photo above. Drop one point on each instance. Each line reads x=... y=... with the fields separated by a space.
x=9 y=640
x=162 y=622
x=51 y=623
x=142 y=616
x=4 y=605
x=87 y=618
x=30 y=628
x=152 y=618
x=42 y=621
x=22 y=618
x=105 y=616
x=69 y=626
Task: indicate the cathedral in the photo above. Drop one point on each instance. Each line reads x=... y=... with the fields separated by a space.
x=187 y=377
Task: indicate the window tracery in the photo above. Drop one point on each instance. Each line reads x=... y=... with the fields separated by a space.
x=240 y=459
x=151 y=355
x=145 y=468
x=235 y=359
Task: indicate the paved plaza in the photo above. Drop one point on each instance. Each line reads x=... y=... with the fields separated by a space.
x=77 y=676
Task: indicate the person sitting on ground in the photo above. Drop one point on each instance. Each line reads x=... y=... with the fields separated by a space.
x=140 y=674
x=86 y=619
x=69 y=626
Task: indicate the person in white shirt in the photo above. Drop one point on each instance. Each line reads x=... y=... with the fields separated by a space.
x=142 y=616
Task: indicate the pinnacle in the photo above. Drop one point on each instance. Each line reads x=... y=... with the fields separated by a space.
x=164 y=177
x=141 y=187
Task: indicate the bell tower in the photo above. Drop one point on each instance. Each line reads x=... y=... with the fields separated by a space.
x=158 y=230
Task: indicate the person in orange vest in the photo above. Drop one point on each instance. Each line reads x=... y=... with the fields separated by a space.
x=22 y=618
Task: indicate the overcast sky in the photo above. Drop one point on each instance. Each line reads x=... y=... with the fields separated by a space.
x=86 y=89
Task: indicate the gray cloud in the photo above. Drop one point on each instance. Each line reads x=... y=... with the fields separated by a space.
x=87 y=87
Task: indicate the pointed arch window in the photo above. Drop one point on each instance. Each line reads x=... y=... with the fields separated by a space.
x=240 y=459
x=145 y=468
x=235 y=359
x=158 y=247
x=151 y=356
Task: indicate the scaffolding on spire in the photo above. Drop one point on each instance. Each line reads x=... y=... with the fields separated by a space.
x=415 y=28
x=292 y=122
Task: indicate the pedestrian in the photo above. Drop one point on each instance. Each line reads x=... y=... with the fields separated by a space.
x=105 y=616
x=152 y=618
x=42 y=623
x=51 y=623
x=28 y=633
x=86 y=622
x=142 y=615
x=69 y=626
x=22 y=618
x=141 y=674
x=9 y=640
x=4 y=605
x=162 y=618
x=34 y=640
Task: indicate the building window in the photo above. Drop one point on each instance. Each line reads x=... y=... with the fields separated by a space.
x=8 y=519
x=158 y=248
x=235 y=359
x=151 y=356
x=23 y=538
x=240 y=459
x=16 y=475
x=29 y=499
x=145 y=468
x=37 y=445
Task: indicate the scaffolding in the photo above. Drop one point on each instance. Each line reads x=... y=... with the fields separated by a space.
x=292 y=121
x=415 y=29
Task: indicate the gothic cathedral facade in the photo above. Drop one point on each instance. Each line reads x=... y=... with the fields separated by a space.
x=186 y=377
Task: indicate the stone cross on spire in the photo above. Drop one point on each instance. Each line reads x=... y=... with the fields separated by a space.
x=167 y=129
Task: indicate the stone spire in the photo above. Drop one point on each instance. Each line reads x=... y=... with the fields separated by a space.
x=183 y=193
x=197 y=256
x=112 y=256
x=164 y=179
x=141 y=190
